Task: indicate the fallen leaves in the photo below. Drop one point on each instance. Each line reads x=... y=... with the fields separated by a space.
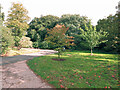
x=60 y=80
x=113 y=76
x=64 y=77
x=61 y=86
x=81 y=77
x=106 y=87
x=99 y=76
x=72 y=83
x=48 y=77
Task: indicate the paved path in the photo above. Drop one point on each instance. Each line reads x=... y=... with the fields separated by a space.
x=16 y=74
x=14 y=59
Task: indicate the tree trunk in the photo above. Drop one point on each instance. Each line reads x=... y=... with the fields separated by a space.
x=91 y=51
x=58 y=54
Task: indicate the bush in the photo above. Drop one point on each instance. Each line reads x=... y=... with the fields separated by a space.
x=43 y=45
x=25 y=42
x=17 y=40
x=35 y=44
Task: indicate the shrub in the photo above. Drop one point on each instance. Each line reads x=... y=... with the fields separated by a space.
x=25 y=42
x=43 y=45
x=35 y=44
x=17 y=40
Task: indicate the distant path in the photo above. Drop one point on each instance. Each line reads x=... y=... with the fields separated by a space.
x=14 y=59
x=16 y=74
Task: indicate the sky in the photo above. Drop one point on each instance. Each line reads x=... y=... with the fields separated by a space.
x=93 y=9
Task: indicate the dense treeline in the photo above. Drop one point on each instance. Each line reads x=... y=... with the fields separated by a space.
x=110 y=25
x=104 y=36
x=76 y=23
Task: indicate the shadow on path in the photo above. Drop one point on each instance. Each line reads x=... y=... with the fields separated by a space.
x=14 y=59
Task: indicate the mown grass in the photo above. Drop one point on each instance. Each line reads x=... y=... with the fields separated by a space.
x=79 y=70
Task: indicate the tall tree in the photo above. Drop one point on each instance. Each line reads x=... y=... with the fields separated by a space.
x=92 y=37
x=110 y=25
x=17 y=21
x=6 y=39
x=75 y=22
x=38 y=27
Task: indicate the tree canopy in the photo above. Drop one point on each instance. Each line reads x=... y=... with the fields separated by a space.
x=17 y=21
x=38 y=27
x=110 y=25
x=91 y=37
x=6 y=39
x=57 y=37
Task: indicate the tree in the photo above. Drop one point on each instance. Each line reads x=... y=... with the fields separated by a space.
x=6 y=39
x=17 y=21
x=92 y=37
x=118 y=40
x=75 y=22
x=110 y=25
x=38 y=28
x=58 y=39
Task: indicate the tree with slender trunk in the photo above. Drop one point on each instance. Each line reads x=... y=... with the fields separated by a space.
x=91 y=37
x=58 y=39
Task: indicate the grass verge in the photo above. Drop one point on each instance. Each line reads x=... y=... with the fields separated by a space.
x=79 y=70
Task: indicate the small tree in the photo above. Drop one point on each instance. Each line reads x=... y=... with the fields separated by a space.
x=92 y=37
x=58 y=38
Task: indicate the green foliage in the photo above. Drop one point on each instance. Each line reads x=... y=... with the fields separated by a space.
x=25 y=42
x=110 y=25
x=17 y=20
x=75 y=22
x=44 y=45
x=91 y=37
x=6 y=39
x=35 y=44
x=38 y=27
x=17 y=39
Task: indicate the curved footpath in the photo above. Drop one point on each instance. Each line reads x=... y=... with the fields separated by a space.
x=16 y=74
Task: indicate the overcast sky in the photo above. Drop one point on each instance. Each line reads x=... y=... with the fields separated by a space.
x=93 y=9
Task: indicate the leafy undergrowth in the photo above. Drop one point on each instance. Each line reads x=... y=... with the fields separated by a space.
x=79 y=70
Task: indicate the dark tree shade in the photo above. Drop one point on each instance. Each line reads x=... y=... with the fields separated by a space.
x=38 y=27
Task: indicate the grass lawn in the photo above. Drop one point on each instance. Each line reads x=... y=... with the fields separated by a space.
x=79 y=70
